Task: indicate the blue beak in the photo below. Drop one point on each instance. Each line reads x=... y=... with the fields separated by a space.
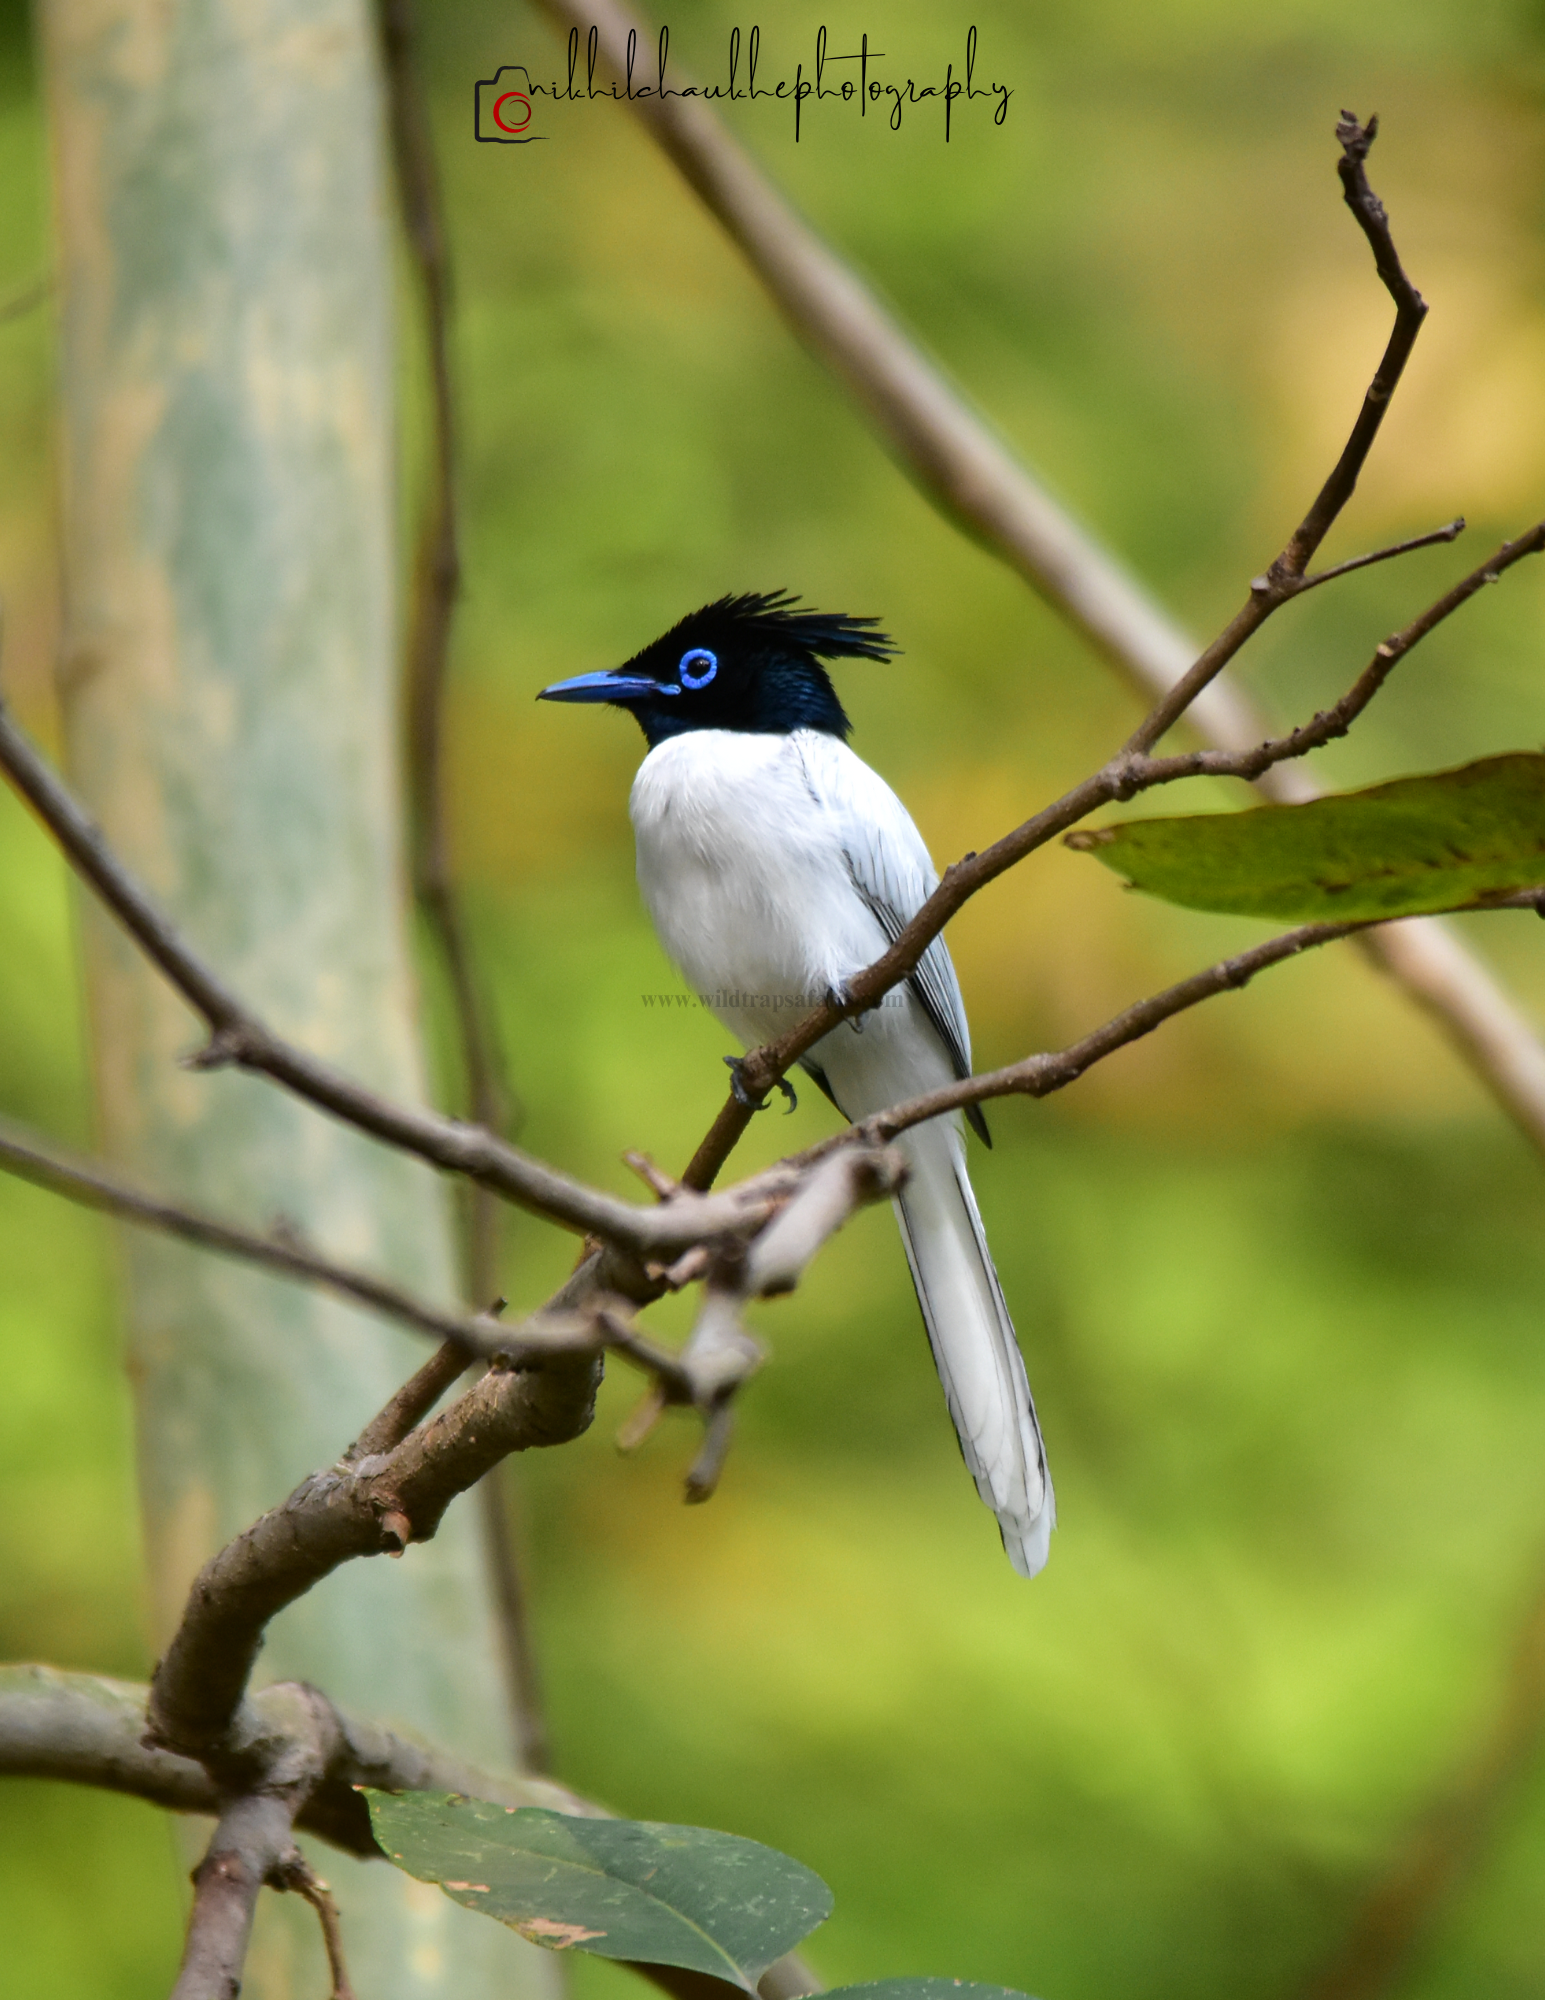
x=616 y=687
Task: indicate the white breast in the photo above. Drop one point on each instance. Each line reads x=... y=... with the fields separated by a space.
x=741 y=864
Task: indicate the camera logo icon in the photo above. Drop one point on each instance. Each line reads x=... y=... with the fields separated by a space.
x=502 y=108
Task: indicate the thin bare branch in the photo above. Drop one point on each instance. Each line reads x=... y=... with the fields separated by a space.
x=1285 y=578
x=1124 y=776
x=1449 y=532
x=1335 y=721
x=24 y=1154
x=295 y=1872
x=238 y=1036
x=1040 y=1075
x=1410 y=310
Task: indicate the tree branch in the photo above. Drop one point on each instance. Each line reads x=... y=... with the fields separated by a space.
x=1410 y=310
x=1449 y=532
x=92 y=1185
x=253 y=1837
x=84 y=1729
x=238 y=1036
x=378 y=1501
x=1122 y=777
x=1334 y=722
x=363 y=1506
x=87 y=1730
x=1040 y=1075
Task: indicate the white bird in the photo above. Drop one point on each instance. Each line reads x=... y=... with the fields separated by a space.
x=776 y=865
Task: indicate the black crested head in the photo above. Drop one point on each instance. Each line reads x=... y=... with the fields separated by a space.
x=750 y=663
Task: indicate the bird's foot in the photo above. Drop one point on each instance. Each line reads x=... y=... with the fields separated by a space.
x=837 y=996
x=736 y=1066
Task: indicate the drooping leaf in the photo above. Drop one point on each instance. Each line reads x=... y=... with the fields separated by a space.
x=1395 y=850
x=670 y=1895
x=923 y=1989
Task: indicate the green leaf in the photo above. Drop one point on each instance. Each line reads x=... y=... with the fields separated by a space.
x=1396 y=850
x=671 y=1895
x=923 y=1989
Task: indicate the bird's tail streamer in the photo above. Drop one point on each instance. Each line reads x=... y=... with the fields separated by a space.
x=973 y=1343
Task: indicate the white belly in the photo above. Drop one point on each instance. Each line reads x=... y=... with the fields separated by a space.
x=743 y=871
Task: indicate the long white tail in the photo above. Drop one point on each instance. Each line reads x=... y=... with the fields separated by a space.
x=973 y=1343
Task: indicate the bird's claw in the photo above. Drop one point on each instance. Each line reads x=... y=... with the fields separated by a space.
x=736 y=1066
x=837 y=996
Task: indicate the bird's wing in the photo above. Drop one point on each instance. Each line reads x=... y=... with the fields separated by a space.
x=889 y=867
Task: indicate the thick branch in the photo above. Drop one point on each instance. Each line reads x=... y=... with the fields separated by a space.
x=83 y=1729
x=253 y=1837
x=378 y=1501
x=87 y=1730
x=360 y=1507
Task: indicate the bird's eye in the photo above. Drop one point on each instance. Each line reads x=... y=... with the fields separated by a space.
x=697 y=668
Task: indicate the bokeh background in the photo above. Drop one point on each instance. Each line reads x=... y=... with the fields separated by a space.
x=1277 y=1271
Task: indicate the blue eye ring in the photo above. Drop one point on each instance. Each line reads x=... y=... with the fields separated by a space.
x=699 y=656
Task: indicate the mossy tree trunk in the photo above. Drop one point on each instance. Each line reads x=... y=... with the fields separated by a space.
x=229 y=713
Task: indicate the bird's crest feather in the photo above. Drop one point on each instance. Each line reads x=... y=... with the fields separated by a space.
x=773 y=616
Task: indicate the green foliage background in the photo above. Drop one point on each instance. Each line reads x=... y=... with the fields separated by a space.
x=1277 y=1272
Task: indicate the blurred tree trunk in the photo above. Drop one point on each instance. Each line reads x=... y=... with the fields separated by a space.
x=228 y=700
